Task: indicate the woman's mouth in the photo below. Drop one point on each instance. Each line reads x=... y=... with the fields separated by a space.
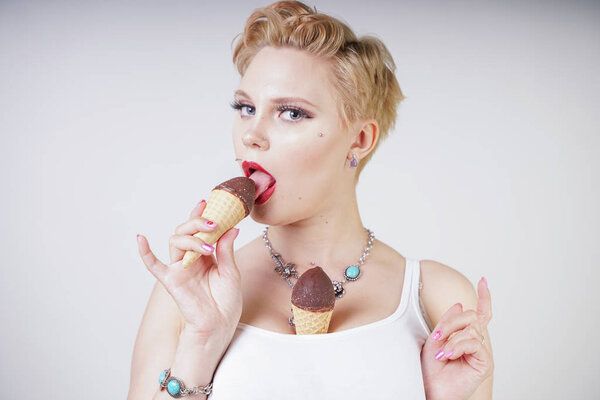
x=264 y=182
x=266 y=195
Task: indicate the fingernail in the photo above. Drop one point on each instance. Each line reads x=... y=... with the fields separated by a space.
x=437 y=334
x=484 y=280
x=211 y=224
x=439 y=354
x=138 y=238
x=208 y=247
x=448 y=354
x=200 y=202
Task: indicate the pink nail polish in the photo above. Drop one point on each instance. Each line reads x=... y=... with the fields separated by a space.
x=200 y=202
x=448 y=354
x=437 y=335
x=211 y=224
x=485 y=280
x=439 y=354
x=208 y=247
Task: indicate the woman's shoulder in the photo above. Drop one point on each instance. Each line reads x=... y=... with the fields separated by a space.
x=436 y=273
x=251 y=256
x=251 y=249
x=444 y=286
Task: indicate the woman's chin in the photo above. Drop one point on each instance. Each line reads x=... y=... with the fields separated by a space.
x=267 y=214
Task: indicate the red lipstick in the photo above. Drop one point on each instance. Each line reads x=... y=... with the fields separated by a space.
x=249 y=167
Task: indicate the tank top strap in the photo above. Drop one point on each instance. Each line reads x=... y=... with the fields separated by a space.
x=412 y=274
x=416 y=307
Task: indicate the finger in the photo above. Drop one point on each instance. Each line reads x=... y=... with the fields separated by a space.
x=225 y=253
x=199 y=209
x=182 y=243
x=469 y=332
x=157 y=268
x=484 y=302
x=466 y=346
x=195 y=225
x=458 y=322
x=439 y=332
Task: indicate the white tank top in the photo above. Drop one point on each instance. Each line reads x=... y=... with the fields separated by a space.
x=380 y=360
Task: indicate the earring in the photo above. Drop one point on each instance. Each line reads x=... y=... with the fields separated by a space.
x=354 y=161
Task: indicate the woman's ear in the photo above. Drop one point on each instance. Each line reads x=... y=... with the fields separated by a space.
x=366 y=138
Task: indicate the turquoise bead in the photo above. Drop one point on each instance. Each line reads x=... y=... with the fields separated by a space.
x=352 y=271
x=162 y=376
x=173 y=387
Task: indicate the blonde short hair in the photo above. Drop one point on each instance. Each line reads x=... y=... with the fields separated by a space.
x=363 y=68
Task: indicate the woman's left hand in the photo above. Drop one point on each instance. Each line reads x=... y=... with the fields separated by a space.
x=454 y=360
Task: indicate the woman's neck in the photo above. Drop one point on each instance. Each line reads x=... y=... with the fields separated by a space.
x=333 y=239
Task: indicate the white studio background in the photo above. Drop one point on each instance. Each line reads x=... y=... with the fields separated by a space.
x=114 y=120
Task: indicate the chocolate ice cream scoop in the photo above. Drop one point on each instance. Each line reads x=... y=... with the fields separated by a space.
x=314 y=291
x=243 y=188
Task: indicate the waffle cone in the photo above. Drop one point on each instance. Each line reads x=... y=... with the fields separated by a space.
x=224 y=208
x=311 y=322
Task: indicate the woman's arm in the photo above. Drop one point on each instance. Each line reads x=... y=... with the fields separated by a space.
x=443 y=287
x=162 y=342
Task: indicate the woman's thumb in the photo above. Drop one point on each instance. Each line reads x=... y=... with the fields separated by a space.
x=224 y=253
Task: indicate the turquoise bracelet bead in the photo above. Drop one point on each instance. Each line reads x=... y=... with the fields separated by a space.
x=162 y=376
x=173 y=387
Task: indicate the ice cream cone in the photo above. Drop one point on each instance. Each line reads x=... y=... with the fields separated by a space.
x=313 y=300
x=227 y=209
x=311 y=322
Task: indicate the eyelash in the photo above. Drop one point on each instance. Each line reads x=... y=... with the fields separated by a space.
x=236 y=105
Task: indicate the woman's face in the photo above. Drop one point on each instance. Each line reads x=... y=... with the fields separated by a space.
x=302 y=144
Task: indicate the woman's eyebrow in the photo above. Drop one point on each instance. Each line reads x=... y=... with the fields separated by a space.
x=280 y=99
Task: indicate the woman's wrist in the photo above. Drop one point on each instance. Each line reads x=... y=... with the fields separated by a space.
x=443 y=396
x=196 y=358
x=193 y=338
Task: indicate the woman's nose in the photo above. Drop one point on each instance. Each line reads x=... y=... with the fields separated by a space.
x=254 y=137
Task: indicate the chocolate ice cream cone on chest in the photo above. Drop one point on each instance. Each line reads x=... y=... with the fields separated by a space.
x=228 y=203
x=313 y=299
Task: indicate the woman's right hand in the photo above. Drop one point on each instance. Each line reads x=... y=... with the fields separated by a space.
x=208 y=292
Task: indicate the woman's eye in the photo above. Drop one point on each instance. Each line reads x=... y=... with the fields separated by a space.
x=249 y=110
x=245 y=109
x=295 y=115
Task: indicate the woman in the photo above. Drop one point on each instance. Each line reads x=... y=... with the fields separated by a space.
x=313 y=103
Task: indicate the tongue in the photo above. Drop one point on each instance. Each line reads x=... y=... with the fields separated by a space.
x=262 y=182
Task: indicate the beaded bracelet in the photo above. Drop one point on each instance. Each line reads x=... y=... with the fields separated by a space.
x=176 y=388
